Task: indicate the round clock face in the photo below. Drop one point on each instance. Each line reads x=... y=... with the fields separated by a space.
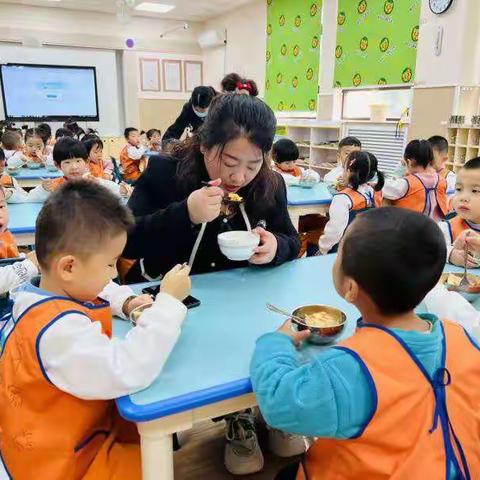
x=440 y=6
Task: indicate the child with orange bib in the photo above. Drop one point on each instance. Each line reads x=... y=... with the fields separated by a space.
x=439 y=146
x=422 y=190
x=13 y=192
x=56 y=404
x=131 y=155
x=98 y=166
x=364 y=192
x=399 y=399
x=8 y=247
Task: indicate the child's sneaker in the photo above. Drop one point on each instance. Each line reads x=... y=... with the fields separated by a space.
x=242 y=452
x=284 y=444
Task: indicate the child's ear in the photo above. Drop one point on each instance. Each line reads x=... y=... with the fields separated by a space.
x=351 y=290
x=66 y=267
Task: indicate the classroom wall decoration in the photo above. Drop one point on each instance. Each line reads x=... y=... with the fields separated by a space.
x=293 y=54
x=376 y=42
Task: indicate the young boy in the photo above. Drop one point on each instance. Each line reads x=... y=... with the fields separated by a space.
x=285 y=153
x=440 y=158
x=346 y=146
x=386 y=401
x=12 y=147
x=56 y=404
x=131 y=155
x=70 y=156
x=13 y=192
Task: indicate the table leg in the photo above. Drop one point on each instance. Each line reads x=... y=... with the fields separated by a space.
x=157 y=457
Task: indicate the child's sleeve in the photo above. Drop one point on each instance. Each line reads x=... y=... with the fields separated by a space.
x=444 y=227
x=37 y=195
x=18 y=194
x=111 y=186
x=395 y=189
x=335 y=228
x=79 y=359
x=333 y=175
x=327 y=397
x=451 y=183
x=16 y=160
x=116 y=295
x=135 y=153
x=13 y=275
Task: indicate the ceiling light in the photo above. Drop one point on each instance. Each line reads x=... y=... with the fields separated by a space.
x=154 y=7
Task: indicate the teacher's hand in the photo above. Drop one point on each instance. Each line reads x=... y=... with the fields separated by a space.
x=267 y=249
x=204 y=204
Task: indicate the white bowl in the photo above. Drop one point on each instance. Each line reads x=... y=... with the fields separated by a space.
x=238 y=245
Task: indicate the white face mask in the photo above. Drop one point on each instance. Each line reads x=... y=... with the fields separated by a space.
x=201 y=114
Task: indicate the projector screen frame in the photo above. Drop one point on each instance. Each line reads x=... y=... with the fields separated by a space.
x=50 y=118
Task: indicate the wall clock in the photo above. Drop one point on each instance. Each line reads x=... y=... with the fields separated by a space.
x=439 y=6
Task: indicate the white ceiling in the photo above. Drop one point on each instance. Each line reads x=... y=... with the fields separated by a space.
x=191 y=10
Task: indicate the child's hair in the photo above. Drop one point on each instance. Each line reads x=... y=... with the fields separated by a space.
x=285 y=150
x=363 y=166
x=152 y=132
x=67 y=148
x=63 y=132
x=10 y=139
x=420 y=152
x=472 y=164
x=229 y=82
x=349 y=142
x=90 y=141
x=202 y=96
x=45 y=131
x=77 y=218
x=2 y=156
x=35 y=132
x=382 y=253
x=128 y=131
x=438 y=143
x=249 y=85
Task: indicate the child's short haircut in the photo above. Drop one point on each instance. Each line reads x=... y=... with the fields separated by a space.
x=395 y=255
x=349 y=142
x=152 y=132
x=2 y=156
x=128 y=131
x=473 y=164
x=438 y=143
x=77 y=218
x=420 y=151
x=63 y=132
x=10 y=139
x=67 y=148
x=90 y=141
x=285 y=150
x=35 y=132
x=45 y=131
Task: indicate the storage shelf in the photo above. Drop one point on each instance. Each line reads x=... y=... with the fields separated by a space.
x=305 y=145
x=325 y=147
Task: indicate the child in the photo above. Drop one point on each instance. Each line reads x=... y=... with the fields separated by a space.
x=56 y=405
x=8 y=247
x=131 y=155
x=34 y=149
x=98 y=167
x=363 y=192
x=345 y=147
x=422 y=189
x=154 y=137
x=382 y=401
x=62 y=132
x=285 y=153
x=12 y=148
x=13 y=192
x=70 y=156
x=440 y=158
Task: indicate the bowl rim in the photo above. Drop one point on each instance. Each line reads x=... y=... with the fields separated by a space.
x=344 y=315
x=225 y=242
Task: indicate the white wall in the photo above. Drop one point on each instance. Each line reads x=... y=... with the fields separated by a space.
x=246 y=45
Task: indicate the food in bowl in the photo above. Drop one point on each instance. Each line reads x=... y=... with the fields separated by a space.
x=34 y=165
x=451 y=281
x=238 y=245
x=137 y=312
x=321 y=319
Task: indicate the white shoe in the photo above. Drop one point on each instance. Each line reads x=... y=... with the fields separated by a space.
x=242 y=452
x=285 y=445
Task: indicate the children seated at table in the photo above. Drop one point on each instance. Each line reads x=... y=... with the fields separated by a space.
x=34 y=150
x=8 y=246
x=363 y=192
x=98 y=166
x=12 y=147
x=398 y=399
x=345 y=147
x=70 y=156
x=56 y=405
x=14 y=193
x=285 y=153
x=422 y=189
x=439 y=146
x=154 y=137
x=131 y=155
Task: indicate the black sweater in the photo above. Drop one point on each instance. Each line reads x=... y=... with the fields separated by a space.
x=187 y=118
x=164 y=235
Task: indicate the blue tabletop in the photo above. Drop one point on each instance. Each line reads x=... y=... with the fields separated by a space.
x=211 y=360
x=35 y=174
x=23 y=217
x=318 y=195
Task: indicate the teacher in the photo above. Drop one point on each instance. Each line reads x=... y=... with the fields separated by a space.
x=170 y=201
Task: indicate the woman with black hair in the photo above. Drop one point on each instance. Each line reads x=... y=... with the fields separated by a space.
x=192 y=115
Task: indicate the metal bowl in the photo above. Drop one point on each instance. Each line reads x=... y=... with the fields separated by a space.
x=470 y=293
x=320 y=335
x=136 y=313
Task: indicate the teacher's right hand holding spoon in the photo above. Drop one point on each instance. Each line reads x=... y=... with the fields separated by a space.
x=205 y=203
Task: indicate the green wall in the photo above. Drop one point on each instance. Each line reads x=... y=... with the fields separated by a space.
x=293 y=54
x=376 y=42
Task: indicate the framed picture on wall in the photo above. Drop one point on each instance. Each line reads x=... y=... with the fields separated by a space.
x=172 y=75
x=192 y=75
x=149 y=75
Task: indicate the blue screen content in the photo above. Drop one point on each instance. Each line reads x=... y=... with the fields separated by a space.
x=49 y=91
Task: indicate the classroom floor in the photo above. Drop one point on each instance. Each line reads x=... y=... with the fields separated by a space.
x=201 y=456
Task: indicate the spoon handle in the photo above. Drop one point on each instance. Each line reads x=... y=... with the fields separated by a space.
x=275 y=309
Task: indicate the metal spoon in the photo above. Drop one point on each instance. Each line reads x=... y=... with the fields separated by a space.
x=275 y=309
x=464 y=282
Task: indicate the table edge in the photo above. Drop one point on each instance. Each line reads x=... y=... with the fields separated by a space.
x=302 y=203
x=18 y=230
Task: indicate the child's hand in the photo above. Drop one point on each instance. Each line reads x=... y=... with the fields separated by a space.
x=457 y=257
x=297 y=337
x=135 y=302
x=48 y=185
x=125 y=190
x=177 y=282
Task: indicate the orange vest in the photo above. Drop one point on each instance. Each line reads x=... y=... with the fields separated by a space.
x=457 y=225
x=131 y=168
x=58 y=182
x=96 y=169
x=45 y=432
x=8 y=246
x=404 y=438
x=295 y=172
x=416 y=197
x=6 y=181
